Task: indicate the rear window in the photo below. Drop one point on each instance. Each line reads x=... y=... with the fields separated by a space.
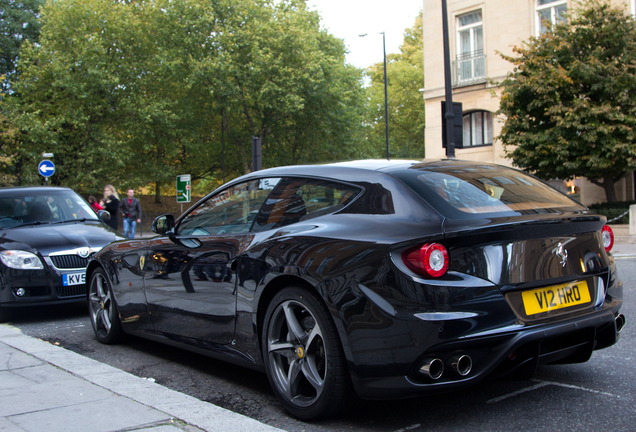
x=461 y=191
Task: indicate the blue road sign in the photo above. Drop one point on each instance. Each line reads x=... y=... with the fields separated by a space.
x=46 y=168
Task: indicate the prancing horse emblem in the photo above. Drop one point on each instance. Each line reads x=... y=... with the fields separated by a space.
x=561 y=253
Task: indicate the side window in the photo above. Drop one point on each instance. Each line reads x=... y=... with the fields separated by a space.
x=231 y=211
x=299 y=199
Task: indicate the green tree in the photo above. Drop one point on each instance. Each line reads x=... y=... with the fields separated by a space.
x=280 y=77
x=570 y=101
x=405 y=72
x=136 y=92
x=18 y=22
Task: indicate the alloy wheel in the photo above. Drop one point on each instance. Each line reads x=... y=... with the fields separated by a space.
x=101 y=306
x=297 y=353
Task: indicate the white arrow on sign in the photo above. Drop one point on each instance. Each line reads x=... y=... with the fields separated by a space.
x=46 y=168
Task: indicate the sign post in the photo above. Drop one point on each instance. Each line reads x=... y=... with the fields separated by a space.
x=183 y=189
x=46 y=168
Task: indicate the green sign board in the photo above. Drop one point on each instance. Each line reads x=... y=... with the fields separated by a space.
x=183 y=188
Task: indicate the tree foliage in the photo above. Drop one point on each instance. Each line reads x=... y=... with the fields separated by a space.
x=570 y=101
x=137 y=92
x=18 y=22
x=405 y=73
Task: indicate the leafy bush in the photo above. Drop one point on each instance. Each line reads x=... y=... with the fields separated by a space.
x=612 y=210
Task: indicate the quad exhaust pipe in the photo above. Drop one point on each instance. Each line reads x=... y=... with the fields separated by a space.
x=432 y=368
x=461 y=364
x=620 y=322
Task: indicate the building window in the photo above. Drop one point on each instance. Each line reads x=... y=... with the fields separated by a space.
x=477 y=129
x=470 y=65
x=552 y=12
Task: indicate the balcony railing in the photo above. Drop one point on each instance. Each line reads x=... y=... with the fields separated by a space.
x=469 y=68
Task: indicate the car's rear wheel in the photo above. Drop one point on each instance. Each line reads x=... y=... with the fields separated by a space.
x=103 y=309
x=303 y=356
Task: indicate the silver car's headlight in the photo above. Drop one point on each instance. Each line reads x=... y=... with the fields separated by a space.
x=21 y=260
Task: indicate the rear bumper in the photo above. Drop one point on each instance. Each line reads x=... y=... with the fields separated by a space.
x=511 y=349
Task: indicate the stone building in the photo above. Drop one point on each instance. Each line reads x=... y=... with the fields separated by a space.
x=478 y=30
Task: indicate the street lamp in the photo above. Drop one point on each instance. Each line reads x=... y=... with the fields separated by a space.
x=449 y=115
x=386 y=102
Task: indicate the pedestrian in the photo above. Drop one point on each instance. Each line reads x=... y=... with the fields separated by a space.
x=131 y=211
x=111 y=205
x=94 y=204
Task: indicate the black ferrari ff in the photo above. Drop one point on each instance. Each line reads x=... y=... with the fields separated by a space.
x=47 y=235
x=376 y=278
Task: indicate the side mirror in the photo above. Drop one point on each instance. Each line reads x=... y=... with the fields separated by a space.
x=163 y=224
x=103 y=215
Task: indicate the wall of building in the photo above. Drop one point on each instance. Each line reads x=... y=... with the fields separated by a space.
x=506 y=23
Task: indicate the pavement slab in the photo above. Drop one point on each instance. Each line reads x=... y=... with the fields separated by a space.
x=44 y=387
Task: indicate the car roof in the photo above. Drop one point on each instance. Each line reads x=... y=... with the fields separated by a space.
x=360 y=169
x=40 y=189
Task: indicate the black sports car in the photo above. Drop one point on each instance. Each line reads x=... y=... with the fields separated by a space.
x=386 y=279
x=47 y=235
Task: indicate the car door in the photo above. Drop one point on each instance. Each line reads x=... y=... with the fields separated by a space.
x=192 y=282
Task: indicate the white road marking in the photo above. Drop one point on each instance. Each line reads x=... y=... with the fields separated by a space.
x=408 y=428
x=548 y=383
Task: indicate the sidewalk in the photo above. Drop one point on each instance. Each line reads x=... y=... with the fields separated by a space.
x=44 y=387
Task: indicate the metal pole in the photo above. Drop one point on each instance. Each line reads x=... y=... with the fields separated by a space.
x=449 y=115
x=386 y=100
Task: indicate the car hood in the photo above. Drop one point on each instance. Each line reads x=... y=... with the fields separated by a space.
x=50 y=238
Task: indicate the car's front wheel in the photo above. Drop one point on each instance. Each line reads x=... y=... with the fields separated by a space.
x=303 y=356
x=103 y=309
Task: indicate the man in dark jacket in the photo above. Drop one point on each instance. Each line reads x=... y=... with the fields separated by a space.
x=130 y=208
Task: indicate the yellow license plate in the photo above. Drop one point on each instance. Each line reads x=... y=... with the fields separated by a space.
x=555 y=297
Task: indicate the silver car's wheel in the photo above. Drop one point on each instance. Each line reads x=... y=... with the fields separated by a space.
x=303 y=356
x=103 y=310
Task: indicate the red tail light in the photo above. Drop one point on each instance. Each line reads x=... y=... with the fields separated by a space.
x=430 y=260
x=607 y=235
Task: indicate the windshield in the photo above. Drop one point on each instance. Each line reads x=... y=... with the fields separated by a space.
x=29 y=207
x=470 y=190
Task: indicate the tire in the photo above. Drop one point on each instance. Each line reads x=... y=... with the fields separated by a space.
x=303 y=356
x=102 y=309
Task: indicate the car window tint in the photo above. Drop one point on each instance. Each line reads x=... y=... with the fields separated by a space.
x=230 y=211
x=465 y=191
x=299 y=199
x=24 y=206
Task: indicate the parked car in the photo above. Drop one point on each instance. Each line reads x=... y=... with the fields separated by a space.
x=385 y=279
x=47 y=235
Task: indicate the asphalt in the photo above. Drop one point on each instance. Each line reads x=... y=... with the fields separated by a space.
x=44 y=387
